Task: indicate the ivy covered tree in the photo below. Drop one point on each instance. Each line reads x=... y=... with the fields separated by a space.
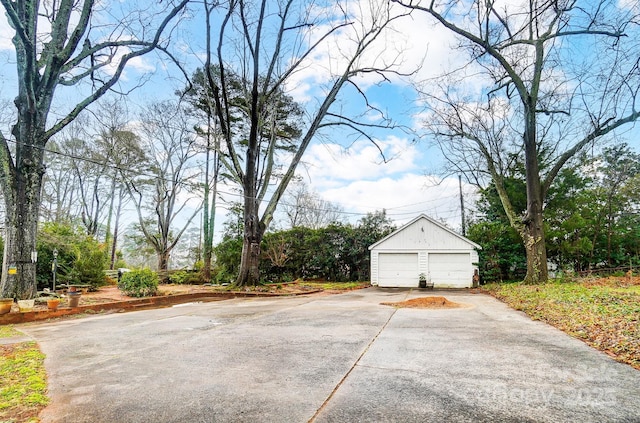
x=503 y=255
x=523 y=90
x=592 y=218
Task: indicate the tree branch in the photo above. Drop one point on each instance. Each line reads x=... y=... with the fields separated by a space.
x=598 y=132
x=59 y=125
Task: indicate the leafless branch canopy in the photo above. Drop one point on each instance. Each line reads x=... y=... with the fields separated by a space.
x=562 y=73
x=75 y=48
x=273 y=44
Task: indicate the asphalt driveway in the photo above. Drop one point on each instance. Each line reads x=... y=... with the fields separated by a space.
x=338 y=358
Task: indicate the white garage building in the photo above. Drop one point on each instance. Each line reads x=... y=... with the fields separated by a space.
x=447 y=259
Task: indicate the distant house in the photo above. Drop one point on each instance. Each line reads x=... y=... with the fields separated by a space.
x=424 y=246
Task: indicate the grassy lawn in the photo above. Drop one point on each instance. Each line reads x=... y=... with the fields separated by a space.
x=23 y=381
x=7 y=331
x=604 y=313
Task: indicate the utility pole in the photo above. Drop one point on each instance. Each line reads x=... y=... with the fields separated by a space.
x=464 y=232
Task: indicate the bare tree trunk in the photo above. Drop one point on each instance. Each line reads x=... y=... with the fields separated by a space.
x=609 y=231
x=163 y=262
x=209 y=227
x=533 y=236
x=254 y=229
x=210 y=197
x=208 y=222
x=107 y=236
x=534 y=243
x=21 y=220
x=207 y=247
x=249 y=274
x=116 y=226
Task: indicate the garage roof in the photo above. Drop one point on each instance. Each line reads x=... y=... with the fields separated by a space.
x=430 y=220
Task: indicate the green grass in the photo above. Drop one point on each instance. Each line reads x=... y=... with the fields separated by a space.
x=7 y=331
x=23 y=380
x=605 y=313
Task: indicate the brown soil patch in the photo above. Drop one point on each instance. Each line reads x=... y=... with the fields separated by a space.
x=111 y=293
x=427 y=302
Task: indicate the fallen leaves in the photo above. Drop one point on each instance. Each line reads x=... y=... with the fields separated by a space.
x=603 y=312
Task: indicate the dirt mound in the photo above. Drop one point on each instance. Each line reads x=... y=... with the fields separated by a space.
x=426 y=302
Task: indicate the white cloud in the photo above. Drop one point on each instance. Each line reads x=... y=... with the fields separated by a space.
x=139 y=64
x=403 y=197
x=360 y=183
x=333 y=165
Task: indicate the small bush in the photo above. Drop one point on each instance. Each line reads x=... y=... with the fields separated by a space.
x=185 y=277
x=139 y=283
x=89 y=265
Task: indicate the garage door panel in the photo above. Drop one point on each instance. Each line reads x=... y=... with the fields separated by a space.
x=398 y=269
x=450 y=269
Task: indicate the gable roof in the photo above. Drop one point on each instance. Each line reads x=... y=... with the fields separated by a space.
x=430 y=220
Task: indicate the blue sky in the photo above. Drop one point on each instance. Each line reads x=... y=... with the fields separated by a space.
x=354 y=178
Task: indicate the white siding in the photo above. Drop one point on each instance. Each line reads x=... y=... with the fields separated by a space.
x=423 y=235
x=373 y=271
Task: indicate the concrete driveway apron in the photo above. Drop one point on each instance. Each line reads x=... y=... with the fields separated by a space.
x=338 y=358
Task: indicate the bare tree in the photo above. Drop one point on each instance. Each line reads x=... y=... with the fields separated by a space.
x=59 y=44
x=83 y=180
x=89 y=173
x=170 y=144
x=198 y=95
x=556 y=76
x=60 y=186
x=118 y=149
x=272 y=42
x=305 y=208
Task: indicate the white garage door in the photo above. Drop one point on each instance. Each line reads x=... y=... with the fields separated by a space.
x=450 y=269
x=398 y=270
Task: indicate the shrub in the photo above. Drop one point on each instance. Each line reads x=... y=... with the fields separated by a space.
x=81 y=259
x=185 y=277
x=90 y=262
x=227 y=253
x=139 y=283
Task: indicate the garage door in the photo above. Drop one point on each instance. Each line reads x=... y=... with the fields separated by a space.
x=450 y=270
x=398 y=270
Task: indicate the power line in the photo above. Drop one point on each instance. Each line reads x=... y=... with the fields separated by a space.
x=235 y=194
